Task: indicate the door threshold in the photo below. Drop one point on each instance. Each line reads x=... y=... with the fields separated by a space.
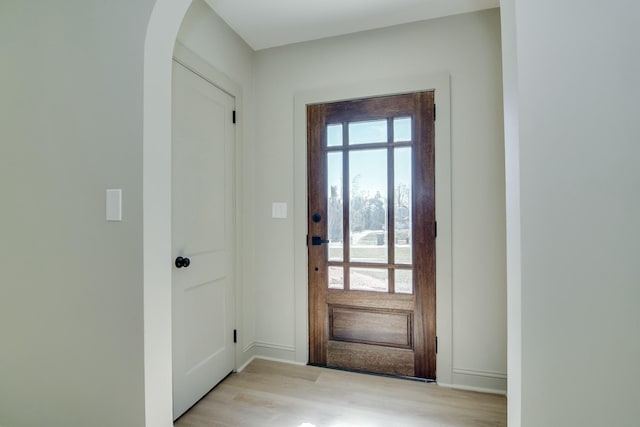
x=377 y=374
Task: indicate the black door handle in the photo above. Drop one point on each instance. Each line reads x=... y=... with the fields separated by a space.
x=182 y=262
x=317 y=240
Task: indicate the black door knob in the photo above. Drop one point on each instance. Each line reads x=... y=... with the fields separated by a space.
x=182 y=262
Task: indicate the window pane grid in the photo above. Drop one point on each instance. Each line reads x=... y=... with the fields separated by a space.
x=374 y=207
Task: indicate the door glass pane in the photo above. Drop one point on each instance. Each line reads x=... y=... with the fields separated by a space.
x=369 y=279
x=368 y=205
x=402 y=129
x=404 y=282
x=402 y=202
x=336 y=278
x=367 y=132
x=334 y=206
x=334 y=135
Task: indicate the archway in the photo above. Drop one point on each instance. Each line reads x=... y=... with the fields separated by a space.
x=162 y=30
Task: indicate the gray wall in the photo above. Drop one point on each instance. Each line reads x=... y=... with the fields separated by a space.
x=577 y=89
x=71 y=330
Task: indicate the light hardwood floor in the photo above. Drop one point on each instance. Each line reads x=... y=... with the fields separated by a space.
x=275 y=394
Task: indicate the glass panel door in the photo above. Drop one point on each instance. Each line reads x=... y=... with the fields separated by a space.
x=371 y=240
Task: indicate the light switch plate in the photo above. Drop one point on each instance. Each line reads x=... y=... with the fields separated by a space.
x=114 y=204
x=279 y=210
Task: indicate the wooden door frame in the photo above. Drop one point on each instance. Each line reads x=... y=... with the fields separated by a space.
x=440 y=83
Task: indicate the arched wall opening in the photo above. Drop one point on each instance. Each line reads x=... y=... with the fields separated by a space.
x=162 y=30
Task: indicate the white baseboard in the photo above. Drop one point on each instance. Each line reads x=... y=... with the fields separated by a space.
x=480 y=381
x=272 y=359
x=241 y=368
x=269 y=351
x=245 y=357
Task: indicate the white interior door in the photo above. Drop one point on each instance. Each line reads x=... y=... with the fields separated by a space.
x=203 y=233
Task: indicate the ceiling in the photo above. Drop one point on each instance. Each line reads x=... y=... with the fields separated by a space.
x=269 y=23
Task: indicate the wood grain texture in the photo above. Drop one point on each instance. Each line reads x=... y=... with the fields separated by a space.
x=424 y=257
x=371 y=299
x=270 y=394
x=422 y=303
x=393 y=328
x=317 y=270
x=371 y=358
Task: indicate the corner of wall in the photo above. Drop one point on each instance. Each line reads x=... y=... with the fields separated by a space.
x=512 y=184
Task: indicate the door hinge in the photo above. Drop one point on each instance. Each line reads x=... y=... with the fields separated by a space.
x=435 y=229
x=434 y=112
x=233 y=117
x=235 y=335
x=436 y=345
x=307 y=240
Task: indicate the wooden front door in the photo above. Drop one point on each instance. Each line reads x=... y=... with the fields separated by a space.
x=372 y=235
